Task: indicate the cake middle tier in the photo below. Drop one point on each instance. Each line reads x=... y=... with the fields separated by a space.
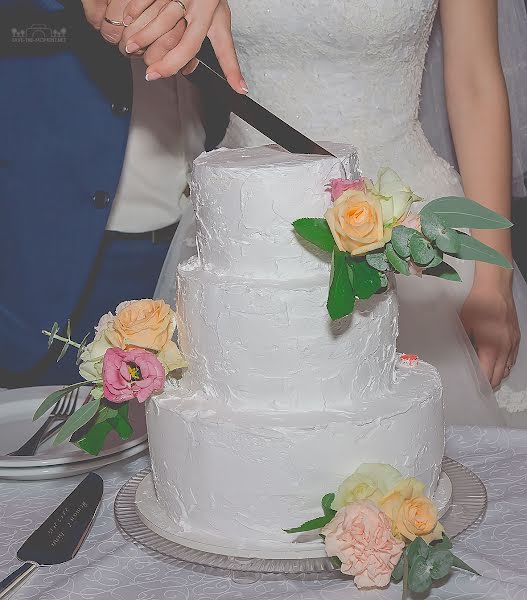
x=271 y=344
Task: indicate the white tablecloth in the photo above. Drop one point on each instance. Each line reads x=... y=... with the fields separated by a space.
x=110 y=567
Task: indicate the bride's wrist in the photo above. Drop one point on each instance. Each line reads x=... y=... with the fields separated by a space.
x=491 y=277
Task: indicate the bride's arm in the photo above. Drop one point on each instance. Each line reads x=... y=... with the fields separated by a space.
x=478 y=111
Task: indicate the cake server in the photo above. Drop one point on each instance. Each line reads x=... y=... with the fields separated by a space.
x=211 y=82
x=61 y=535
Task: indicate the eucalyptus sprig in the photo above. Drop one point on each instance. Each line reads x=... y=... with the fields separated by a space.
x=53 y=336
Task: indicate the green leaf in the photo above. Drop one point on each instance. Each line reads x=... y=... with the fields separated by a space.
x=398 y=572
x=455 y=211
x=473 y=249
x=401 y=237
x=448 y=241
x=92 y=441
x=418 y=548
x=317 y=523
x=459 y=564
x=53 y=333
x=77 y=420
x=120 y=422
x=327 y=501
x=317 y=232
x=443 y=271
x=400 y=265
x=437 y=260
x=105 y=413
x=378 y=261
x=337 y=563
x=419 y=578
x=341 y=300
x=53 y=398
x=440 y=562
x=444 y=544
x=82 y=347
x=422 y=250
x=431 y=226
x=384 y=283
x=366 y=280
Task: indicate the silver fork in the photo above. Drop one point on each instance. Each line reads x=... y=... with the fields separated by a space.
x=64 y=408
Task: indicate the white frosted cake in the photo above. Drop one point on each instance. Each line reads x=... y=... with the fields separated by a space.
x=279 y=405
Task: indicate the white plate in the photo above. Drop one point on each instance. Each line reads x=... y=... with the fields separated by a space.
x=16 y=426
x=69 y=469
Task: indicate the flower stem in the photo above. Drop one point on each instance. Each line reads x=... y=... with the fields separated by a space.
x=61 y=339
x=405 y=576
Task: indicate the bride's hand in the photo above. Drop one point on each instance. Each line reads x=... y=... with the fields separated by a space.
x=490 y=320
x=169 y=51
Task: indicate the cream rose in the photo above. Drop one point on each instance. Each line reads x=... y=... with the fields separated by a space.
x=371 y=481
x=147 y=324
x=356 y=222
x=93 y=355
x=171 y=358
x=395 y=196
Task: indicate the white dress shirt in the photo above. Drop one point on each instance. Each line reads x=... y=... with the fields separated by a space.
x=166 y=134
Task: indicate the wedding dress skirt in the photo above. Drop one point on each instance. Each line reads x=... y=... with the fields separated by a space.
x=354 y=75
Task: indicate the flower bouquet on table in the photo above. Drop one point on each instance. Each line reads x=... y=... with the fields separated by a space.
x=379 y=527
x=370 y=232
x=129 y=358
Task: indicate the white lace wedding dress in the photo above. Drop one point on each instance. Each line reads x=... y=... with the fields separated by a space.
x=351 y=72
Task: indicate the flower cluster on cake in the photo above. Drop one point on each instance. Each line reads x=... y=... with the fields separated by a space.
x=379 y=527
x=129 y=358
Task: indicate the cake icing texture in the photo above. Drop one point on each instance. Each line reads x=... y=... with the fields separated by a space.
x=279 y=404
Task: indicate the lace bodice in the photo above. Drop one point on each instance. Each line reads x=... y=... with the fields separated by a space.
x=345 y=71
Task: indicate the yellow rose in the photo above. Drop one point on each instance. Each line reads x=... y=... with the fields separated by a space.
x=171 y=358
x=356 y=222
x=369 y=482
x=93 y=355
x=404 y=490
x=147 y=324
x=395 y=196
x=417 y=517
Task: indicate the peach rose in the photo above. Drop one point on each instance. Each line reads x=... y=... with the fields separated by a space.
x=417 y=517
x=147 y=324
x=360 y=535
x=356 y=222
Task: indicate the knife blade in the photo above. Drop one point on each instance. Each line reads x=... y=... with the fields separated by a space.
x=211 y=82
x=61 y=535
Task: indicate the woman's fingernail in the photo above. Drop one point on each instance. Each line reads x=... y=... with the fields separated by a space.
x=109 y=38
x=131 y=47
x=152 y=76
x=244 y=87
x=127 y=21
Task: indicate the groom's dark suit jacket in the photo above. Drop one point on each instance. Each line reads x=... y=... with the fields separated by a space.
x=65 y=106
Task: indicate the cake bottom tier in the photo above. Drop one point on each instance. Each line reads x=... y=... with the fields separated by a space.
x=246 y=476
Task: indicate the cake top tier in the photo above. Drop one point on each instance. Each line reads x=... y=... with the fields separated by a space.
x=247 y=199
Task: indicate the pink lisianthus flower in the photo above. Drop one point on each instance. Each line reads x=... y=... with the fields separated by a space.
x=360 y=535
x=129 y=374
x=338 y=186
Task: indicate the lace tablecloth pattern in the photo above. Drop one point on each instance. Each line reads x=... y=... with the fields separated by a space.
x=110 y=567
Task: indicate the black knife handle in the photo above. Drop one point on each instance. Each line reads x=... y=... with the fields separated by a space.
x=16 y=579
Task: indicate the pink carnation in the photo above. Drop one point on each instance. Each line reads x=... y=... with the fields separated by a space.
x=360 y=535
x=128 y=374
x=338 y=186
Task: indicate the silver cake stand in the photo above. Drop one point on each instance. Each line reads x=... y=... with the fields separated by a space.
x=465 y=503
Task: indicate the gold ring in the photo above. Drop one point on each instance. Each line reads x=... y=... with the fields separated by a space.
x=182 y=6
x=116 y=23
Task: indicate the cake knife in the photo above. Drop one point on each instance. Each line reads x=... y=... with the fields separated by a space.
x=211 y=82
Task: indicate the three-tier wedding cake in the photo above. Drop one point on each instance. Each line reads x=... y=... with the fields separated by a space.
x=279 y=404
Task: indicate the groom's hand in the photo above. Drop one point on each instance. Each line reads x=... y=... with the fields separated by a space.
x=171 y=47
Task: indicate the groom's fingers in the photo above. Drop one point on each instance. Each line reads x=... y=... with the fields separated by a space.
x=221 y=39
x=110 y=32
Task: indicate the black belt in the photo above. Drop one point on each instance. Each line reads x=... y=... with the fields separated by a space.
x=157 y=236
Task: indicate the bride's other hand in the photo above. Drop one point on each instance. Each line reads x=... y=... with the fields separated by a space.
x=490 y=320
x=94 y=10
x=172 y=53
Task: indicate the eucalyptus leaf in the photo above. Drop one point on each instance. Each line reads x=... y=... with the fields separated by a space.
x=53 y=333
x=421 y=250
x=65 y=348
x=68 y=330
x=436 y=261
x=401 y=237
x=473 y=249
x=443 y=271
x=398 y=572
x=53 y=398
x=327 y=501
x=456 y=211
x=417 y=548
x=82 y=347
x=419 y=578
x=459 y=564
x=440 y=562
x=341 y=299
x=448 y=241
x=77 y=420
x=431 y=225
x=366 y=280
x=317 y=232
x=399 y=264
x=335 y=560
x=444 y=544
x=384 y=283
x=317 y=523
x=378 y=261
